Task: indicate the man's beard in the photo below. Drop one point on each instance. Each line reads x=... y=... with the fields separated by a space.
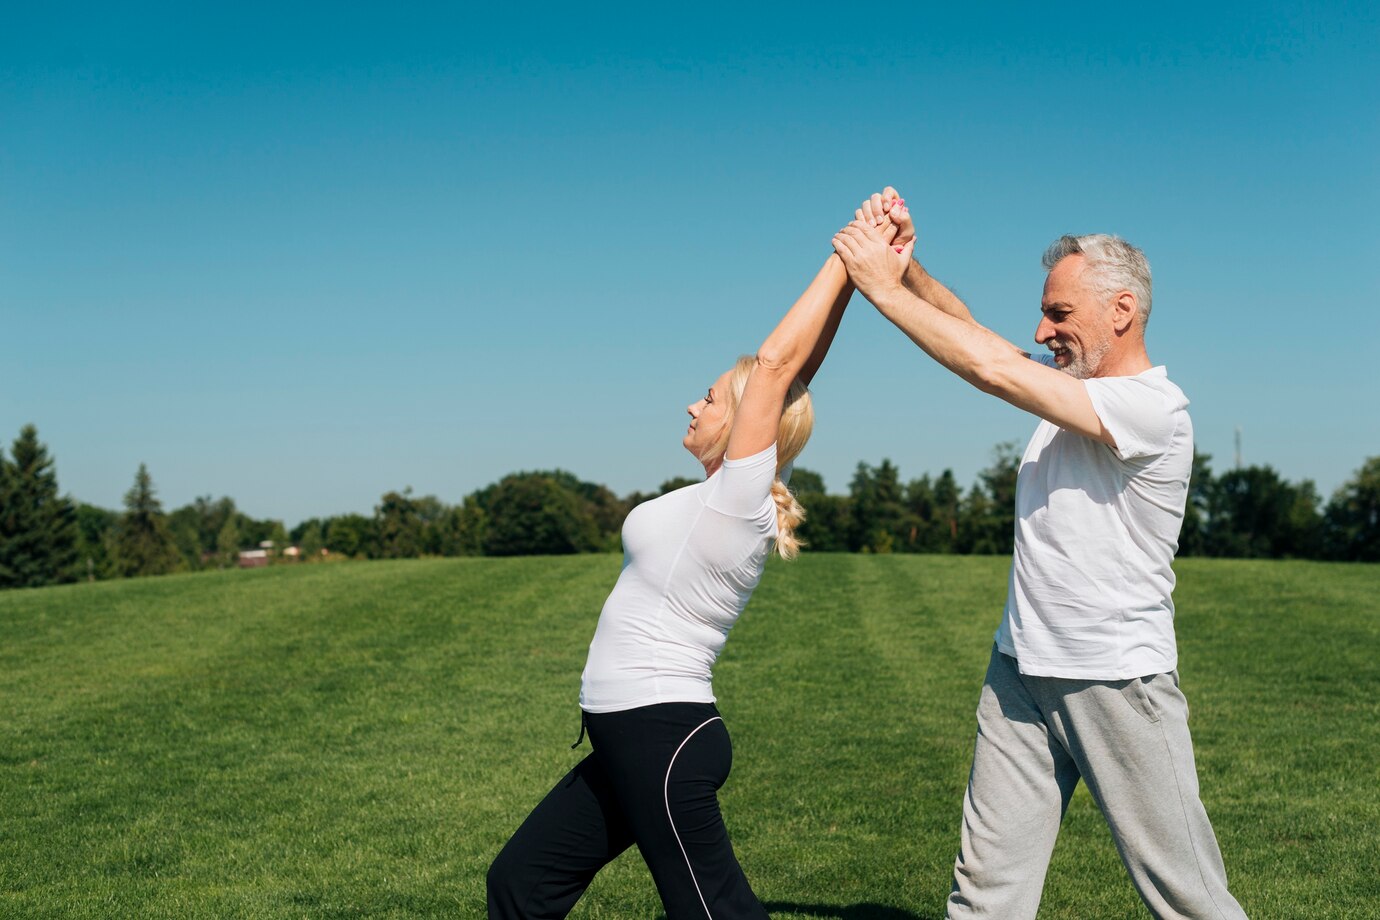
x=1085 y=364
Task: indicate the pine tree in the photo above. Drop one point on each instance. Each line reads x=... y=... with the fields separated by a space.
x=38 y=527
x=880 y=518
x=947 y=498
x=95 y=527
x=143 y=543
x=6 y=576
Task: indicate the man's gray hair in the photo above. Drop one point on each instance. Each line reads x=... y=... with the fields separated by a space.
x=1115 y=266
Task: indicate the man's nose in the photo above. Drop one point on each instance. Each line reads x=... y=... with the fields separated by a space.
x=1044 y=331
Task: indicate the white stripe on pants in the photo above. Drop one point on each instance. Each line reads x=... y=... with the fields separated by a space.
x=1129 y=741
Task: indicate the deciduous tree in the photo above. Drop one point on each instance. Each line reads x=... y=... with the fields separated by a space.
x=532 y=514
x=398 y=526
x=1353 y=516
x=1193 y=536
x=1255 y=512
x=350 y=535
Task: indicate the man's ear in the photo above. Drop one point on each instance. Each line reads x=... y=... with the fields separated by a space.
x=1124 y=311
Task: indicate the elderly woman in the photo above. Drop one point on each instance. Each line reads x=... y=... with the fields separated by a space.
x=660 y=750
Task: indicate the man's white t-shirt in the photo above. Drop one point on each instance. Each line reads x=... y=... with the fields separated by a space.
x=691 y=559
x=1097 y=527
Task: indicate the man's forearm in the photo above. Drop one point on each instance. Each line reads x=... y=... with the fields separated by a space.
x=955 y=341
x=993 y=365
x=924 y=285
x=950 y=336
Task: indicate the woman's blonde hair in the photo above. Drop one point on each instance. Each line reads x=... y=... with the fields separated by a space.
x=797 y=421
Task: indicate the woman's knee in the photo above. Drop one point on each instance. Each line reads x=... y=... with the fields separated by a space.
x=504 y=885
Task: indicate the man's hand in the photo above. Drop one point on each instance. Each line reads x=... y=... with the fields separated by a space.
x=919 y=282
x=874 y=265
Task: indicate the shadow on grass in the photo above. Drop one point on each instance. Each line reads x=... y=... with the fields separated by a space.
x=865 y=911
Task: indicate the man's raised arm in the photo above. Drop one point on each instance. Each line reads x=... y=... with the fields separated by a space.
x=976 y=354
x=889 y=206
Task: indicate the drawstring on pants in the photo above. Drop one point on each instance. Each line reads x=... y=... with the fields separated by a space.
x=582 y=731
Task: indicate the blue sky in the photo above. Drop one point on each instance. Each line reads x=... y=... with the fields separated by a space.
x=302 y=258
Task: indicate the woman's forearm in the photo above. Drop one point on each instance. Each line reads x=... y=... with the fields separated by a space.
x=798 y=344
x=831 y=326
x=795 y=348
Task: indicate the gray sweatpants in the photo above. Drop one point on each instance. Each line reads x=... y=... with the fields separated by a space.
x=1128 y=739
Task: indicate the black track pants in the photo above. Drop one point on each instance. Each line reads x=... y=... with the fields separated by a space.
x=652 y=780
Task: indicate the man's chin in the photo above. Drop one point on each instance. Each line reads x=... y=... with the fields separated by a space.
x=1081 y=371
x=1066 y=362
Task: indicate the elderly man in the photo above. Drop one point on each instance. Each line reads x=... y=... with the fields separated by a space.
x=1082 y=682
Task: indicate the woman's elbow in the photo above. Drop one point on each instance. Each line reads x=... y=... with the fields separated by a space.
x=775 y=363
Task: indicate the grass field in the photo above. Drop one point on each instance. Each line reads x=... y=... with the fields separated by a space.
x=359 y=740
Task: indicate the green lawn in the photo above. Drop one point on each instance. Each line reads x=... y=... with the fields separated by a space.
x=359 y=740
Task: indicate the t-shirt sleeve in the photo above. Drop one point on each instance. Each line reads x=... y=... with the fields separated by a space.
x=745 y=484
x=1140 y=417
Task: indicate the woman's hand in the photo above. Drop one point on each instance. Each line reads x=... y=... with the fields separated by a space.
x=888 y=209
x=899 y=215
x=874 y=211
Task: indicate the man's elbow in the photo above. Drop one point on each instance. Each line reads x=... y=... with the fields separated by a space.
x=994 y=375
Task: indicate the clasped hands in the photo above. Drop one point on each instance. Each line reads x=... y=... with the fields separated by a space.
x=876 y=246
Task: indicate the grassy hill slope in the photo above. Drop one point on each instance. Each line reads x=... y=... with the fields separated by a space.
x=359 y=740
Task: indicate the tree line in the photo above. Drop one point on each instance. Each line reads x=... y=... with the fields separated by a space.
x=47 y=538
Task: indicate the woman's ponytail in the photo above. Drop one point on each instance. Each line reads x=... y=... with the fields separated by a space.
x=797 y=421
x=789 y=514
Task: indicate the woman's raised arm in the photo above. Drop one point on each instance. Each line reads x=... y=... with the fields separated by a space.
x=795 y=348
